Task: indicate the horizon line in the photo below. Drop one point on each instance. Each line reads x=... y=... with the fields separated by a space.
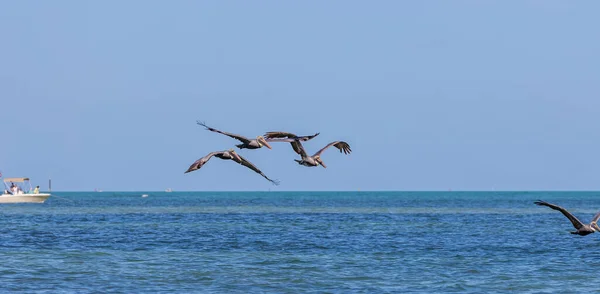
x=279 y=191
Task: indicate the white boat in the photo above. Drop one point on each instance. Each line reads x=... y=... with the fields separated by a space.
x=19 y=190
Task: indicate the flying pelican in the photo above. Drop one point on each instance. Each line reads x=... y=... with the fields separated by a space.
x=256 y=143
x=582 y=229
x=316 y=160
x=227 y=154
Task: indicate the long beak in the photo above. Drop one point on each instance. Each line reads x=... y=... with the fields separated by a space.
x=265 y=143
x=321 y=163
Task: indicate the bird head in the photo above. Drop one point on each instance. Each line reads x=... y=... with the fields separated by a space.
x=261 y=141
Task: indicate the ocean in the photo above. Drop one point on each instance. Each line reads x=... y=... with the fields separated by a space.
x=299 y=242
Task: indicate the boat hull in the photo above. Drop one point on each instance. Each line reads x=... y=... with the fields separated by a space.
x=24 y=198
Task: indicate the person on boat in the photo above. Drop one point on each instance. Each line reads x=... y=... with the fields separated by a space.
x=36 y=190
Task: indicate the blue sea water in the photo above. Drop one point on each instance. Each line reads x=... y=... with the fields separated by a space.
x=298 y=242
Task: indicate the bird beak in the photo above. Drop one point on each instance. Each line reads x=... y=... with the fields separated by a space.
x=322 y=164
x=262 y=140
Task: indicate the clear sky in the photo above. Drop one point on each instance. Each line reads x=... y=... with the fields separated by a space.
x=430 y=95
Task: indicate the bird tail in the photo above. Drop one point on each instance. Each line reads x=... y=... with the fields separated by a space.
x=239 y=146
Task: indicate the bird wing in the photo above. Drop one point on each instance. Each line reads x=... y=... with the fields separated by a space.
x=271 y=135
x=576 y=223
x=286 y=137
x=306 y=138
x=200 y=162
x=251 y=166
x=341 y=145
x=298 y=148
x=238 y=137
x=296 y=145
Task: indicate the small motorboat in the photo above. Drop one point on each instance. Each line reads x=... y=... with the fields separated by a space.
x=19 y=190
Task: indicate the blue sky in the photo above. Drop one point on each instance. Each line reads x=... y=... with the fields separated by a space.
x=430 y=95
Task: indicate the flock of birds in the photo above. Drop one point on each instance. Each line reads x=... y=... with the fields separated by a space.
x=315 y=160
x=260 y=141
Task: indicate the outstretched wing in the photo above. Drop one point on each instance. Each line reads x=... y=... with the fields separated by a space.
x=271 y=135
x=238 y=137
x=200 y=162
x=341 y=145
x=298 y=148
x=286 y=137
x=251 y=166
x=295 y=141
x=576 y=223
x=306 y=138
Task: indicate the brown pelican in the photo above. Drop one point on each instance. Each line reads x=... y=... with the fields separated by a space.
x=316 y=160
x=227 y=154
x=259 y=141
x=582 y=229
x=256 y=143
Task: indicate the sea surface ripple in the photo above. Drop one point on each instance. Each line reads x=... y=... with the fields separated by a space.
x=298 y=242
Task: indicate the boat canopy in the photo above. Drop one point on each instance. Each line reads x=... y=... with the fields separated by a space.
x=16 y=180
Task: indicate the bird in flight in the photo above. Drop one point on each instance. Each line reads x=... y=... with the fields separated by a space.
x=315 y=159
x=257 y=142
x=581 y=228
x=228 y=155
